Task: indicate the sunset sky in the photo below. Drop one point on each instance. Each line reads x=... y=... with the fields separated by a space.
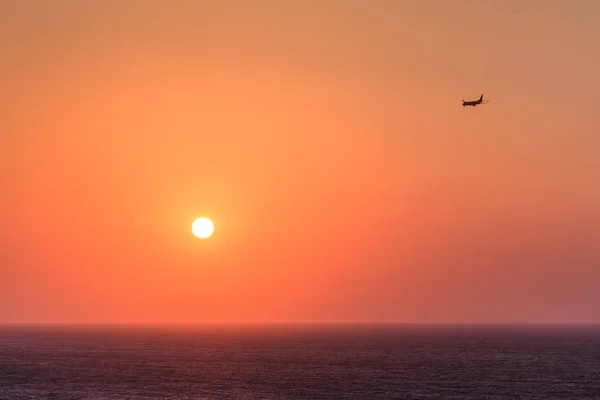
x=327 y=142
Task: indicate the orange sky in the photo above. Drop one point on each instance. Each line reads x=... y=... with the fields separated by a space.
x=327 y=142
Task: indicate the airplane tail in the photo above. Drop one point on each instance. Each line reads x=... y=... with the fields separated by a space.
x=481 y=98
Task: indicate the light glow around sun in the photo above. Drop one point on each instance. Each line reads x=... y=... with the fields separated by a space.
x=203 y=228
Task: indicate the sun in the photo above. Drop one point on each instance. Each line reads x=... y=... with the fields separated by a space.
x=203 y=228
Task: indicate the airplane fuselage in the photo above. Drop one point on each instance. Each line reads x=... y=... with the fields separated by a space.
x=473 y=103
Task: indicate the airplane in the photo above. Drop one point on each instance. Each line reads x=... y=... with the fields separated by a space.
x=473 y=103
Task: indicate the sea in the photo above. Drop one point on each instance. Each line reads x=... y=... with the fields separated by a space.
x=336 y=361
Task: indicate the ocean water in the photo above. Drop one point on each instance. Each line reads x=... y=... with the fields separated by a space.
x=299 y=362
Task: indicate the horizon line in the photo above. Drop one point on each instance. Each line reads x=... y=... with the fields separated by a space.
x=280 y=323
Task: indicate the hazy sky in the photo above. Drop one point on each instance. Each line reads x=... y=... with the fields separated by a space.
x=327 y=142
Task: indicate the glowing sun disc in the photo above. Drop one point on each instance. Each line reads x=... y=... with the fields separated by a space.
x=203 y=228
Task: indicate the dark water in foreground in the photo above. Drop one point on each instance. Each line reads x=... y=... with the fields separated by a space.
x=299 y=362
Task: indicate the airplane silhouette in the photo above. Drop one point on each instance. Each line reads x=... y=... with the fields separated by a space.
x=473 y=103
